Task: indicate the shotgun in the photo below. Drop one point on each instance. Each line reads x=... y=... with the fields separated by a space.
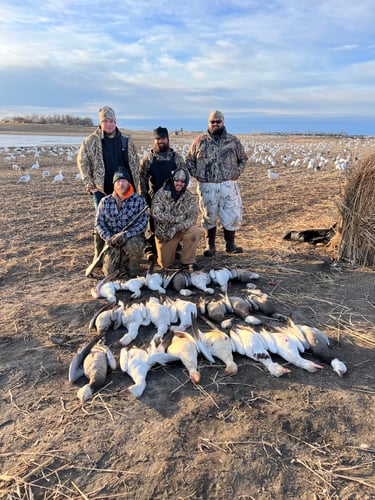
x=95 y=262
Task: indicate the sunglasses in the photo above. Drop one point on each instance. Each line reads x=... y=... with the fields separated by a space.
x=215 y=121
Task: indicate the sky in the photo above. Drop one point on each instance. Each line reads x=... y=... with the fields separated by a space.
x=269 y=66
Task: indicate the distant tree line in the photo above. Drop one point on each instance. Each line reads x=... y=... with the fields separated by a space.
x=54 y=119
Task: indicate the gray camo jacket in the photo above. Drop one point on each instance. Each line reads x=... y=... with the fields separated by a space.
x=219 y=159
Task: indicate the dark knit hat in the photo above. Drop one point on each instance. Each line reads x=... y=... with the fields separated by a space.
x=160 y=133
x=121 y=174
x=106 y=112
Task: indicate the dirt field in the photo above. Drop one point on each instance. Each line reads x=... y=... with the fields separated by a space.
x=250 y=436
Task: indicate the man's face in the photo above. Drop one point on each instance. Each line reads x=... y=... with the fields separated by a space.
x=215 y=126
x=121 y=187
x=108 y=125
x=161 y=144
x=179 y=185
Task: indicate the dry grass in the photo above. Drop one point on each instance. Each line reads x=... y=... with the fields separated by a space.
x=303 y=436
x=356 y=239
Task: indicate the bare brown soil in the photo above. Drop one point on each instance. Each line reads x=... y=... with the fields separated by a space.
x=250 y=436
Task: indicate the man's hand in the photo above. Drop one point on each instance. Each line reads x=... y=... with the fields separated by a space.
x=117 y=240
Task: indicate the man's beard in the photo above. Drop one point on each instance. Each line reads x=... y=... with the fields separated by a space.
x=161 y=148
x=217 y=131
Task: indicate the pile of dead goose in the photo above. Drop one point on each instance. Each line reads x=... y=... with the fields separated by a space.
x=171 y=319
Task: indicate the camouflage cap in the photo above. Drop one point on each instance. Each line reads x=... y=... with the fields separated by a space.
x=106 y=112
x=215 y=115
x=180 y=175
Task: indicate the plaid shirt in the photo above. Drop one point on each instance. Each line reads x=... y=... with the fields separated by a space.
x=110 y=219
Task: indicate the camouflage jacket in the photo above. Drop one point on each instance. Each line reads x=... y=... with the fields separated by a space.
x=211 y=159
x=145 y=173
x=172 y=216
x=91 y=165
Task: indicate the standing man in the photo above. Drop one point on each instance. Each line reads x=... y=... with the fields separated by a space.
x=100 y=155
x=216 y=159
x=155 y=168
x=175 y=211
x=122 y=209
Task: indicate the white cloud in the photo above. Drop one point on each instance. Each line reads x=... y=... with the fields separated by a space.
x=280 y=57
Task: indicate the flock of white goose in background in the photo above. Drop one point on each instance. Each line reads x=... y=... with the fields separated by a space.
x=299 y=155
x=171 y=318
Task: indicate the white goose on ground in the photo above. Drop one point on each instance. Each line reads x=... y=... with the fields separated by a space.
x=221 y=277
x=132 y=318
x=24 y=178
x=243 y=275
x=248 y=342
x=319 y=344
x=200 y=280
x=136 y=362
x=288 y=347
x=272 y=175
x=59 y=177
x=215 y=344
x=179 y=346
x=154 y=281
x=160 y=315
x=182 y=310
x=106 y=289
x=134 y=285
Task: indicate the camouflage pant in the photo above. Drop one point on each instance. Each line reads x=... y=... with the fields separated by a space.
x=126 y=259
x=220 y=201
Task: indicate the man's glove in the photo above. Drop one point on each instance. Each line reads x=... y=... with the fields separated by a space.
x=117 y=240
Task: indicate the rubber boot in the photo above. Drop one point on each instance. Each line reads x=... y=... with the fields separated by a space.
x=230 y=246
x=210 y=249
x=98 y=247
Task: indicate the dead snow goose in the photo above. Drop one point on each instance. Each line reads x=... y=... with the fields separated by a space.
x=133 y=285
x=136 y=362
x=160 y=315
x=262 y=302
x=76 y=365
x=179 y=346
x=320 y=345
x=248 y=342
x=132 y=318
x=106 y=288
x=154 y=281
x=200 y=280
x=289 y=348
x=218 y=344
x=221 y=277
x=183 y=311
